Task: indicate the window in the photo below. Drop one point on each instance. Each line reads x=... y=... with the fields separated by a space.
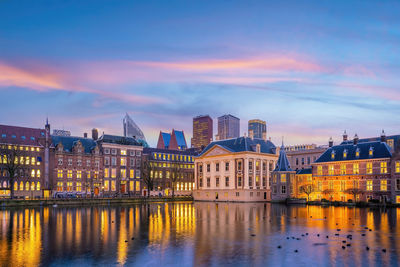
x=131 y=186
x=88 y=162
x=138 y=174
x=21 y=186
x=208 y=167
x=107 y=161
x=342 y=185
x=333 y=154
x=123 y=152
x=356 y=168
x=371 y=152
x=106 y=172
x=369 y=185
x=69 y=174
x=201 y=182
x=113 y=187
x=208 y=182
x=113 y=173
x=283 y=189
x=69 y=162
x=33 y=173
x=79 y=175
x=132 y=174
x=345 y=153
x=331 y=170
x=283 y=178
x=106 y=185
x=137 y=186
x=240 y=181
x=59 y=173
x=264 y=166
x=114 y=151
x=27 y=160
x=217 y=167
x=342 y=169
x=369 y=167
x=38 y=173
x=226 y=166
x=227 y=181
x=123 y=173
x=383 y=185
x=397 y=184
x=217 y=182
x=78 y=186
x=383 y=167
x=397 y=165
x=302 y=161
x=357 y=153
x=297 y=161
x=250 y=165
x=123 y=161
x=60 y=186
x=138 y=153
x=60 y=161
x=33 y=161
x=79 y=162
x=113 y=161
x=27 y=186
x=319 y=170
x=88 y=174
x=106 y=151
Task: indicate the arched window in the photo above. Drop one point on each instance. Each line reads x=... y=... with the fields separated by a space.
x=15 y=186
x=38 y=173
x=33 y=173
x=38 y=186
x=21 y=186
x=27 y=186
x=5 y=184
x=33 y=186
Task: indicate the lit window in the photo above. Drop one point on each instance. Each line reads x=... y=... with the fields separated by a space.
x=371 y=152
x=21 y=186
x=131 y=185
x=283 y=178
x=356 y=168
x=27 y=186
x=132 y=175
x=123 y=173
x=69 y=174
x=331 y=170
x=38 y=173
x=33 y=173
x=357 y=153
x=383 y=167
x=106 y=172
x=88 y=174
x=137 y=186
x=383 y=185
x=123 y=152
x=78 y=186
x=15 y=186
x=106 y=185
x=33 y=186
x=33 y=160
x=333 y=154
x=113 y=188
x=79 y=175
x=319 y=170
x=345 y=153
x=397 y=166
x=369 y=167
x=343 y=169
x=27 y=160
x=369 y=185
x=123 y=161
x=113 y=173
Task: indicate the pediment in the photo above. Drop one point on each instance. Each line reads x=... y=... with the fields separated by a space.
x=216 y=150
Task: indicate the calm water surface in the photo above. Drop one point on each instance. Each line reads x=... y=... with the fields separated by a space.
x=199 y=234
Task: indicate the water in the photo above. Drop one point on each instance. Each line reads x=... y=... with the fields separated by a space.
x=199 y=234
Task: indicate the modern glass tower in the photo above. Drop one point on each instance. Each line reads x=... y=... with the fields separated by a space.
x=258 y=129
x=131 y=129
x=228 y=127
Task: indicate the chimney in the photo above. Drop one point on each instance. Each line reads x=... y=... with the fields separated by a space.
x=251 y=134
x=344 y=136
x=330 y=142
x=85 y=135
x=355 y=140
x=95 y=134
x=383 y=137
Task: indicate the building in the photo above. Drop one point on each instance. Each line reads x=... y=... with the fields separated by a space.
x=202 y=131
x=131 y=129
x=393 y=141
x=24 y=151
x=170 y=170
x=122 y=165
x=228 y=127
x=78 y=166
x=61 y=133
x=302 y=156
x=283 y=179
x=173 y=141
x=235 y=170
x=257 y=129
x=359 y=171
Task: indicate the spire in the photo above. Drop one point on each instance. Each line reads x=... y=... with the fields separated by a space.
x=344 y=136
x=282 y=164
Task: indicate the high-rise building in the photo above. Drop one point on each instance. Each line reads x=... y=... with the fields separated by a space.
x=202 y=131
x=228 y=127
x=257 y=129
x=131 y=129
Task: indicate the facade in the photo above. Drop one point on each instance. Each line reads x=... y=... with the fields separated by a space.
x=235 y=170
x=283 y=179
x=228 y=127
x=174 y=141
x=257 y=129
x=122 y=165
x=29 y=148
x=356 y=171
x=131 y=129
x=171 y=169
x=78 y=166
x=202 y=131
x=302 y=156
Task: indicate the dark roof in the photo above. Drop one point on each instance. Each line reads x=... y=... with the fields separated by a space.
x=68 y=142
x=166 y=138
x=241 y=144
x=304 y=171
x=120 y=140
x=282 y=165
x=180 y=138
x=189 y=152
x=396 y=139
x=21 y=135
x=380 y=150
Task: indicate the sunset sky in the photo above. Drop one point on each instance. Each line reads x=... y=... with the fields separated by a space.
x=309 y=68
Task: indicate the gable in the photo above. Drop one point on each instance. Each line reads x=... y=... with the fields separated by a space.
x=215 y=151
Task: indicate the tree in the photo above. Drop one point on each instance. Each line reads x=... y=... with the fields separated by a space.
x=329 y=192
x=307 y=189
x=175 y=173
x=355 y=192
x=13 y=162
x=147 y=170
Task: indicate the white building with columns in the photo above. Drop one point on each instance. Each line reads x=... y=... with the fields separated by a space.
x=236 y=169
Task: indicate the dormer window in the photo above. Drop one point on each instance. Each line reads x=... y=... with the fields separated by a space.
x=371 y=151
x=333 y=154
x=345 y=153
x=357 y=153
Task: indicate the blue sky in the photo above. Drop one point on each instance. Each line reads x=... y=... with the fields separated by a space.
x=309 y=68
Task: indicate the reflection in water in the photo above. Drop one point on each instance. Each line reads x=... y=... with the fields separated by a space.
x=198 y=234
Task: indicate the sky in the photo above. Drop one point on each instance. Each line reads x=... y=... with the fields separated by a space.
x=310 y=69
